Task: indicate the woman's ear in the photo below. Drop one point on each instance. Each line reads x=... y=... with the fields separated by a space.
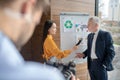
x=48 y=30
x=96 y=25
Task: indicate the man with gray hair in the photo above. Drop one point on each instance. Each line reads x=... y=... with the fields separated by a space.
x=100 y=51
x=17 y=23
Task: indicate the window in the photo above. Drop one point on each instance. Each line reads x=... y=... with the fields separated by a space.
x=109 y=12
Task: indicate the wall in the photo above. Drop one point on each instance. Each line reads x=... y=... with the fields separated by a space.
x=57 y=6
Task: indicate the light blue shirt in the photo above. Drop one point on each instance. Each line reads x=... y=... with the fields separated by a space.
x=13 y=66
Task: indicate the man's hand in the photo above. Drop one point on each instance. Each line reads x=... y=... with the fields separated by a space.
x=79 y=55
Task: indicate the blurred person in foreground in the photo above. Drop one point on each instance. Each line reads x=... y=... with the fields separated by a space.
x=100 y=51
x=17 y=23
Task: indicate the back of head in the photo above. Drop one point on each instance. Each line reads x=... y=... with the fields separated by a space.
x=39 y=3
x=16 y=16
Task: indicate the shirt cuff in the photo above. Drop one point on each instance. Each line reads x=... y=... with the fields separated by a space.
x=104 y=66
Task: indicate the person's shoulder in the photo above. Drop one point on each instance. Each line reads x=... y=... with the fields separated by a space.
x=104 y=32
x=89 y=34
x=49 y=40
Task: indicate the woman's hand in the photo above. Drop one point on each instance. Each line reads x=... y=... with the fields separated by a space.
x=74 y=48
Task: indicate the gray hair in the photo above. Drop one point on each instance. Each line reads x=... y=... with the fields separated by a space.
x=95 y=20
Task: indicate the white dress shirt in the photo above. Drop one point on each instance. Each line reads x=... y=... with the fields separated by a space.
x=93 y=54
x=13 y=66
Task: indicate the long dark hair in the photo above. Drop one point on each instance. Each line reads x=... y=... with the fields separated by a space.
x=48 y=24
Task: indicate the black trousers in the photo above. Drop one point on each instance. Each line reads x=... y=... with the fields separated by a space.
x=97 y=70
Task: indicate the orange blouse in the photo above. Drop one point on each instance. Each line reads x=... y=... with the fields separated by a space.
x=51 y=49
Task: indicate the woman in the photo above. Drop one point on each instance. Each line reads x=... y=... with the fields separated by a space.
x=50 y=48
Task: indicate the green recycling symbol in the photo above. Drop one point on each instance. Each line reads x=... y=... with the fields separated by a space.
x=68 y=24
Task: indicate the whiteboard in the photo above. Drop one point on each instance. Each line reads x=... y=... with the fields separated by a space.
x=73 y=26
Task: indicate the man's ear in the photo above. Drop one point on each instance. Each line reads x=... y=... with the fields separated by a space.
x=26 y=5
x=96 y=25
x=24 y=8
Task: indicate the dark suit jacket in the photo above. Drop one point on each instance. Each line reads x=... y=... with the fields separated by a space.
x=104 y=49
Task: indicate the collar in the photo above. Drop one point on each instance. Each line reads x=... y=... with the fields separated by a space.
x=49 y=36
x=96 y=32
